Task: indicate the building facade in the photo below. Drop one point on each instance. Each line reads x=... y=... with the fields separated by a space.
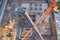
x=36 y=9
x=57 y=23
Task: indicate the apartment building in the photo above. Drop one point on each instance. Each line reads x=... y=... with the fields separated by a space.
x=57 y=23
x=36 y=9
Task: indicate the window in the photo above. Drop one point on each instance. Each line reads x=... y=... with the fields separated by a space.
x=38 y=13
x=56 y=12
x=35 y=8
x=40 y=8
x=30 y=4
x=33 y=15
x=30 y=8
x=40 y=4
x=35 y=4
x=57 y=20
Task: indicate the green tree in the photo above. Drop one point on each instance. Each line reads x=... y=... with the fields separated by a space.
x=58 y=4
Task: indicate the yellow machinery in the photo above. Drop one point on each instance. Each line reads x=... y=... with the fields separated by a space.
x=24 y=32
x=8 y=33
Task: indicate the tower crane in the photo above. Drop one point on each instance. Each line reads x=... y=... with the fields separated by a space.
x=45 y=17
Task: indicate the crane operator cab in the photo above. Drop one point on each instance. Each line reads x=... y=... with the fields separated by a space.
x=20 y=10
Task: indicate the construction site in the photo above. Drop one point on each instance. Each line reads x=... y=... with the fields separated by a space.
x=29 y=20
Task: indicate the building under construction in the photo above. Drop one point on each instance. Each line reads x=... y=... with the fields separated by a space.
x=29 y=20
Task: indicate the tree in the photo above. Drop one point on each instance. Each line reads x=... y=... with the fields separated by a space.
x=58 y=4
